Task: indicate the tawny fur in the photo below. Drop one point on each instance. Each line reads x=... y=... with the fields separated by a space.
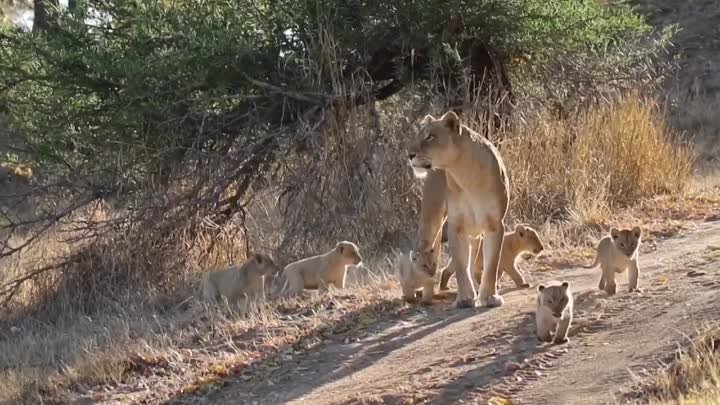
x=554 y=312
x=412 y=280
x=319 y=272
x=425 y=257
x=616 y=253
x=477 y=196
x=235 y=284
x=523 y=239
x=15 y=172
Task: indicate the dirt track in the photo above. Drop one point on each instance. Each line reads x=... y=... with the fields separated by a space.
x=443 y=355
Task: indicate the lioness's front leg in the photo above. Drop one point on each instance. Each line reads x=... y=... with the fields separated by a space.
x=460 y=243
x=492 y=246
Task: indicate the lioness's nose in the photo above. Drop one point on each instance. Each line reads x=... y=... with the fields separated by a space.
x=411 y=156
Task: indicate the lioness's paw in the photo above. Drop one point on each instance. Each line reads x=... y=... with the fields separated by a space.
x=636 y=290
x=560 y=341
x=491 y=301
x=523 y=285
x=546 y=338
x=464 y=303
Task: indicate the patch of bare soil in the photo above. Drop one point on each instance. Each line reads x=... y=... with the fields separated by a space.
x=440 y=355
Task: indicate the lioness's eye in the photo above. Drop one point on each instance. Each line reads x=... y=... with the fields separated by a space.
x=429 y=138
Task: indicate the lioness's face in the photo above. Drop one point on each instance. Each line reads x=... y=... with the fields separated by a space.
x=435 y=146
x=626 y=240
x=555 y=298
x=350 y=252
x=529 y=239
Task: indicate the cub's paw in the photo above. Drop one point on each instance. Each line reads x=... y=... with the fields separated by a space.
x=560 y=340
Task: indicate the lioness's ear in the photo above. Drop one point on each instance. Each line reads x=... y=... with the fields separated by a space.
x=614 y=232
x=540 y=287
x=340 y=248
x=428 y=119
x=452 y=121
x=519 y=227
x=637 y=231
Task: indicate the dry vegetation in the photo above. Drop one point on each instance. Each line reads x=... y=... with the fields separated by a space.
x=70 y=336
x=692 y=377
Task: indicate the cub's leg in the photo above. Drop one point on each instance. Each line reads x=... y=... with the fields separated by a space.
x=210 y=293
x=545 y=325
x=562 y=329
x=428 y=292
x=445 y=276
x=515 y=275
x=461 y=259
x=609 y=276
x=601 y=285
x=492 y=246
x=633 y=275
x=295 y=282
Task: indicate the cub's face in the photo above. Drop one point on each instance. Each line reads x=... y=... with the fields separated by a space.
x=555 y=298
x=435 y=146
x=626 y=240
x=265 y=263
x=425 y=260
x=349 y=251
x=529 y=239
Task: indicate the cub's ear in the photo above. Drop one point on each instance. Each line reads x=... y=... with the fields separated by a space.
x=540 y=287
x=565 y=285
x=428 y=119
x=614 y=232
x=637 y=232
x=258 y=258
x=452 y=121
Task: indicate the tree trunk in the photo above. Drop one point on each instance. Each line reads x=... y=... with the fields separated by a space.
x=42 y=20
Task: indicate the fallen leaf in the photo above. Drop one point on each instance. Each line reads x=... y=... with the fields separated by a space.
x=498 y=401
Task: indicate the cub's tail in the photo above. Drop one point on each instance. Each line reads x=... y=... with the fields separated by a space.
x=595 y=264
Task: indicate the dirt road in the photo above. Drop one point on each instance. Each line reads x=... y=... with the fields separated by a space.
x=442 y=355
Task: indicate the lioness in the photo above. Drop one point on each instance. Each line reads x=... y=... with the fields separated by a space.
x=236 y=283
x=477 y=199
x=318 y=272
x=523 y=239
x=616 y=253
x=554 y=312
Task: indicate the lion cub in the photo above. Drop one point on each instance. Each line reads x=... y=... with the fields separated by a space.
x=554 y=312
x=236 y=283
x=318 y=272
x=616 y=253
x=523 y=239
x=412 y=280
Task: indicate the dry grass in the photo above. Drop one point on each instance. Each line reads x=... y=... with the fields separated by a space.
x=579 y=170
x=693 y=378
x=118 y=316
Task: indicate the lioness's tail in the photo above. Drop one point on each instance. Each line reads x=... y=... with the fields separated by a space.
x=595 y=263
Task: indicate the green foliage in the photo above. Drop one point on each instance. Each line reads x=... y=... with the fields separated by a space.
x=175 y=74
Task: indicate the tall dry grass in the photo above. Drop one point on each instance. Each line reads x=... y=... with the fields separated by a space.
x=579 y=169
